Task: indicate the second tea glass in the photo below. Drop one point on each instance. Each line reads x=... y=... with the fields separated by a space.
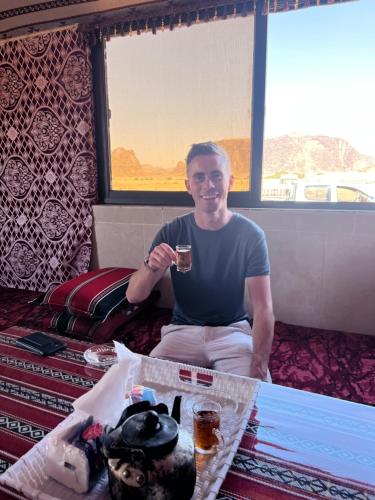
x=206 y=426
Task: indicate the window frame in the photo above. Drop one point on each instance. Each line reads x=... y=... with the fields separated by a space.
x=244 y=199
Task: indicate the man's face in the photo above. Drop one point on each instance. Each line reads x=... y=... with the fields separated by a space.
x=208 y=182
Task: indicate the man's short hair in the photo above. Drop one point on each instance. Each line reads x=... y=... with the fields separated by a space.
x=207 y=148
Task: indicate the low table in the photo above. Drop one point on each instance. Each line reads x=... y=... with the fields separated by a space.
x=296 y=445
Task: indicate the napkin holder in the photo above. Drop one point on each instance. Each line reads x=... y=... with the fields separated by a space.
x=67 y=463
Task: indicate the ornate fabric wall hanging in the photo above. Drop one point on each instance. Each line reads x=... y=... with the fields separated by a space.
x=47 y=159
x=24 y=16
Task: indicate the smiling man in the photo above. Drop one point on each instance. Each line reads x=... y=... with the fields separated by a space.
x=210 y=325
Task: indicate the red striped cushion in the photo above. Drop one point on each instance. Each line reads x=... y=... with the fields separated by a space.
x=97 y=331
x=85 y=328
x=95 y=294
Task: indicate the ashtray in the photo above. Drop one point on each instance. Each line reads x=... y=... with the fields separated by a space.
x=100 y=355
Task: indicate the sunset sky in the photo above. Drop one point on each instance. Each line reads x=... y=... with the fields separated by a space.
x=170 y=90
x=321 y=73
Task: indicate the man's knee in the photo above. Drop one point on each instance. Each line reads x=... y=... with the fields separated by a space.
x=164 y=348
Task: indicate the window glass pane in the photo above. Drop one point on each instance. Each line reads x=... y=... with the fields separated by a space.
x=320 y=104
x=170 y=90
x=316 y=193
x=345 y=194
x=352 y=194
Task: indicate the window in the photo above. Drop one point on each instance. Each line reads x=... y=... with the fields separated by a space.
x=353 y=194
x=320 y=105
x=289 y=95
x=168 y=91
x=317 y=193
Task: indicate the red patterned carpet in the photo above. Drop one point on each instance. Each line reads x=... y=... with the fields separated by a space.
x=337 y=364
x=292 y=447
x=333 y=363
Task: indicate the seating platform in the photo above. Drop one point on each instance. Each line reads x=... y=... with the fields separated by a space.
x=333 y=363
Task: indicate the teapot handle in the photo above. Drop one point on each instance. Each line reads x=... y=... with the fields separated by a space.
x=220 y=438
x=131 y=410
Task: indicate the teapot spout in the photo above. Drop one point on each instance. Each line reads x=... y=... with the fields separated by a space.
x=176 y=410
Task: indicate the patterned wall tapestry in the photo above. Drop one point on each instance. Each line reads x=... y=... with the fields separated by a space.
x=47 y=159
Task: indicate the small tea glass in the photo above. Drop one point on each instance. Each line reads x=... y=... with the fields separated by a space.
x=183 y=258
x=208 y=438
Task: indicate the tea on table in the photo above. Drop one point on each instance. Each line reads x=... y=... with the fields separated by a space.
x=207 y=435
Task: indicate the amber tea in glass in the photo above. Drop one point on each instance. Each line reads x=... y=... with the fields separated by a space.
x=207 y=435
x=183 y=258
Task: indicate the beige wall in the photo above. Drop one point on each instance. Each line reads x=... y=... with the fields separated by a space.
x=323 y=262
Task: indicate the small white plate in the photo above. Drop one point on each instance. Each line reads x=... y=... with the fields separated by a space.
x=100 y=355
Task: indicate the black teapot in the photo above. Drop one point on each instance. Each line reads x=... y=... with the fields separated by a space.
x=149 y=455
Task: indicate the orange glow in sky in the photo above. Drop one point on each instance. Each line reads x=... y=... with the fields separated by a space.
x=169 y=90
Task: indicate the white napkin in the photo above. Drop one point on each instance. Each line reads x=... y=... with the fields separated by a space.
x=108 y=398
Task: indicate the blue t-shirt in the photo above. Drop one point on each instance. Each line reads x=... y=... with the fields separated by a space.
x=212 y=293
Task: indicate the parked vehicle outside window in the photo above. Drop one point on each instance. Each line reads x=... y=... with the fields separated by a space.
x=303 y=192
x=318 y=136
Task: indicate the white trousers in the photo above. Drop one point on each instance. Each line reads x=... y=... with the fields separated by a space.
x=223 y=348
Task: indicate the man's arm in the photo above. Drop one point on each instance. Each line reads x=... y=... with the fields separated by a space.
x=144 y=280
x=259 y=288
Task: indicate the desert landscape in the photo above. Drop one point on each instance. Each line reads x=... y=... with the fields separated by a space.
x=287 y=159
